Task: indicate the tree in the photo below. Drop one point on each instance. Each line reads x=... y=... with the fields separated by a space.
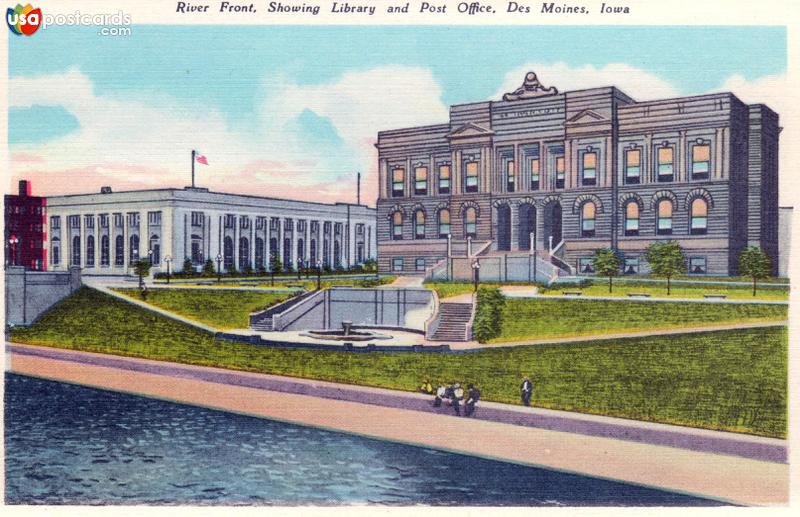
x=208 y=268
x=275 y=265
x=666 y=259
x=607 y=263
x=188 y=267
x=755 y=263
x=142 y=268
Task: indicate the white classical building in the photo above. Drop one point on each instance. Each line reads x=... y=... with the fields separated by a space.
x=105 y=232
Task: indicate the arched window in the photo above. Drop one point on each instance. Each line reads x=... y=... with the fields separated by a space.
x=312 y=252
x=326 y=259
x=55 y=256
x=444 y=223
x=134 y=249
x=76 y=251
x=337 y=254
x=105 y=254
x=632 y=218
x=90 y=251
x=244 y=253
x=419 y=224
x=664 y=217
x=155 y=248
x=699 y=216
x=259 y=252
x=119 y=251
x=470 y=222
x=287 y=253
x=301 y=249
x=197 y=249
x=397 y=226
x=588 y=211
x=273 y=249
x=227 y=253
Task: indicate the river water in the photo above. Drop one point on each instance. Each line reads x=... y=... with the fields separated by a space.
x=68 y=444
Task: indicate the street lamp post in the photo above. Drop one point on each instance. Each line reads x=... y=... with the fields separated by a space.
x=13 y=241
x=168 y=259
x=319 y=274
x=219 y=268
x=299 y=267
x=476 y=268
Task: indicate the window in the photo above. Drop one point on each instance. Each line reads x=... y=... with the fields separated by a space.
x=104 y=221
x=471 y=184
x=444 y=223
x=470 y=222
x=398 y=180
x=664 y=217
x=535 y=174
x=421 y=181
x=397 y=226
x=397 y=264
x=337 y=228
x=119 y=250
x=76 y=251
x=589 y=168
x=586 y=265
x=55 y=222
x=198 y=218
x=444 y=178
x=631 y=266
x=55 y=256
x=154 y=218
x=697 y=265
x=244 y=223
x=134 y=249
x=560 y=172
x=90 y=251
x=701 y=161
x=511 y=176
x=74 y=221
x=419 y=264
x=301 y=226
x=105 y=253
x=665 y=163
x=699 y=216
x=633 y=166
x=588 y=211
x=133 y=219
x=288 y=224
x=155 y=250
x=314 y=226
x=632 y=218
x=118 y=220
x=230 y=221
x=274 y=223
x=419 y=224
x=326 y=227
x=261 y=222
x=88 y=221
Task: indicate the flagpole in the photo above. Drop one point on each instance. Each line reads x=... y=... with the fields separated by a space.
x=193 y=152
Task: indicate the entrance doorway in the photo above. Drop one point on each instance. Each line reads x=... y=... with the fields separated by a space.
x=527 y=225
x=552 y=223
x=504 y=228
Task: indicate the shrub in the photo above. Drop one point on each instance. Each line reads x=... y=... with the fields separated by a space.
x=188 y=267
x=489 y=314
x=208 y=268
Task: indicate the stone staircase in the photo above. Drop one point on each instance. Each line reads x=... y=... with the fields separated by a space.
x=453 y=320
x=262 y=320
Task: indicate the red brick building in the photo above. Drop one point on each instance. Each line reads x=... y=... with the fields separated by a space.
x=25 y=233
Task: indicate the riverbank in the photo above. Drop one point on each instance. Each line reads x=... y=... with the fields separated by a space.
x=673 y=458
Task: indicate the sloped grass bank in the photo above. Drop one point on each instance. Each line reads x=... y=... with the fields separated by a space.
x=734 y=381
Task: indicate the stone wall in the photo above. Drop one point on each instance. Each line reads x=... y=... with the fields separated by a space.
x=31 y=293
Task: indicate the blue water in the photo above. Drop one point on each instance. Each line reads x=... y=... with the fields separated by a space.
x=68 y=444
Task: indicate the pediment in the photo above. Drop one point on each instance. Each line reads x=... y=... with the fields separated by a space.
x=470 y=129
x=586 y=117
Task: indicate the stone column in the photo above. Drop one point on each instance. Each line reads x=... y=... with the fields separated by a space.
x=82 y=229
x=514 y=209
x=144 y=236
x=125 y=244
x=252 y=248
x=680 y=157
x=236 y=233
x=280 y=241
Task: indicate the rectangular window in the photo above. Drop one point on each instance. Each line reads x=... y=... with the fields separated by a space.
x=326 y=227
x=421 y=181
x=154 y=218
x=589 y=169
x=244 y=223
x=419 y=264
x=701 y=161
x=359 y=229
x=398 y=182
x=511 y=176
x=560 y=172
x=631 y=266
x=118 y=220
x=133 y=219
x=103 y=220
x=230 y=221
x=586 y=265
x=397 y=264
x=274 y=223
x=535 y=174
x=444 y=179
x=471 y=184
x=55 y=222
x=261 y=223
x=314 y=226
x=88 y=221
x=697 y=265
x=301 y=226
x=74 y=221
x=337 y=228
x=288 y=224
x=633 y=166
x=666 y=158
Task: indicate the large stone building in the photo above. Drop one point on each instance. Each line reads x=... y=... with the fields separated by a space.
x=581 y=170
x=105 y=233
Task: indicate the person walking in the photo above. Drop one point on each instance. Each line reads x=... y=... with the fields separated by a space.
x=526 y=390
x=473 y=395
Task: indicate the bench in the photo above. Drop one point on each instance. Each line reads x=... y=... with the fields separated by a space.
x=717 y=296
x=572 y=293
x=642 y=295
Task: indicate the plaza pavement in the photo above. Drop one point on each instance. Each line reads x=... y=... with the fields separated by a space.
x=730 y=467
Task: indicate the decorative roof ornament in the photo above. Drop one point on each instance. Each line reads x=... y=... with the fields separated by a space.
x=531 y=88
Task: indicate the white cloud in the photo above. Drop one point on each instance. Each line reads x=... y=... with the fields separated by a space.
x=639 y=84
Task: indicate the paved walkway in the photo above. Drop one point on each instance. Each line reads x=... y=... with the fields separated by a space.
x=657 y=299
x=726 y=466
x=406 y=282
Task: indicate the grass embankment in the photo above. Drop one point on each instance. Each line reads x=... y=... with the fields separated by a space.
x=599 y=287
x=223 y=309
x=734 y=381
x=538 y=318
x=448 y=289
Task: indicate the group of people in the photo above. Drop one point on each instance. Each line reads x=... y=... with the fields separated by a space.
x=453 y=395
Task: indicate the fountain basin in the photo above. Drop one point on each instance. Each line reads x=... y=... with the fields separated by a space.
x=341 y=335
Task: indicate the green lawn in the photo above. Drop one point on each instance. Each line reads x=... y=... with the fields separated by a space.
x=311 y=283
x=735 y=381
x=448 y=289
x=537 y=318
x=223 y=309
x=599 y=287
